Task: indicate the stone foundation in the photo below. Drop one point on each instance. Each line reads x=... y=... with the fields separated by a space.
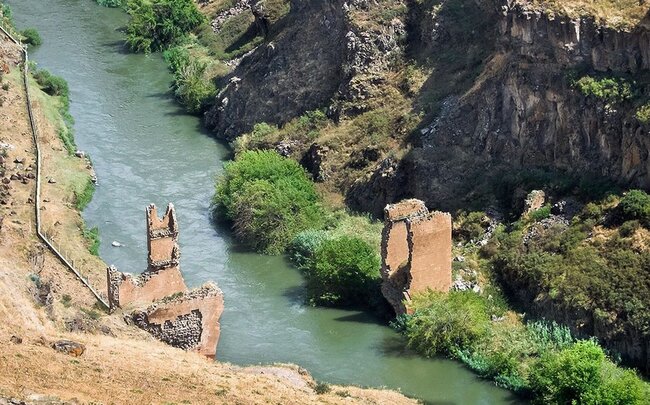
x=185 y=319
x=189 y=322
x=416 y=252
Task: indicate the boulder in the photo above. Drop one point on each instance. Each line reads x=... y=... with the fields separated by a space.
x=69 y=347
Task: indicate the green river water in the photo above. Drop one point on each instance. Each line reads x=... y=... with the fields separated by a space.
x=146 y=149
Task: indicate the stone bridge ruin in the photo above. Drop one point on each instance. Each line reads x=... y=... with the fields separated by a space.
x=416 y=252
x=177 y=316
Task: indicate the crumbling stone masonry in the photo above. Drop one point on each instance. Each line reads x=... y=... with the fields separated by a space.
x=180 y=318
x=416 y=252
x=188 y=321
x=163 y=275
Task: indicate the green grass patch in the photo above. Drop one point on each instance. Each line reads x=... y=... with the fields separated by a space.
x=83 y=198
x=92 y=236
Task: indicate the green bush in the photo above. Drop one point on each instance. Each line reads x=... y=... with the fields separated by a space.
x=472 y=226
x=269 y=198
x=608 y=89
x=31 y=37
x=636 y=205
x=343 y=272
x=191 y=88
x=51 y=84
x=155 y=24
x=643 y=114
x=304 y=246
x=581 y=374
x=447 y=323
x=540 y=214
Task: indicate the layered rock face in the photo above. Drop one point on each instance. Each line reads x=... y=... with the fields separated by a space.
x=416 y=252
x=522 y=110
x=181 y=318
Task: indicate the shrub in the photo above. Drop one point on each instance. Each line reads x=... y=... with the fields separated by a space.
x=447 y=323
x=540 y=214
x=472 y=226
x=269 y=198
x=192 y=89
x=629 y=228
x=581 y=374
x=549 y=336
x=608 y=89
x=268 y=215
x=304 y=245
x=31 y=37
x=51 y=84
x=643 y=114
x=342 y=272
x=156 y=24
x=636 y=205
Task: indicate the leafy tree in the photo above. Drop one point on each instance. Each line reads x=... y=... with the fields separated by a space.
x=269 y=198
x=156 y=24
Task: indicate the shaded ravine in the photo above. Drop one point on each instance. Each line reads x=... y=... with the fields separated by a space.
x=145 y=149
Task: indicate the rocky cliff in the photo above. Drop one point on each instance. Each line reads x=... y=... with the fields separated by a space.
x=523 y=109
x=317 y=56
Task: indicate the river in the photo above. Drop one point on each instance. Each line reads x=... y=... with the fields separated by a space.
x=146 y=149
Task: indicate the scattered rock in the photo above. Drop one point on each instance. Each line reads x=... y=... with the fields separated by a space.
x=80 y=154
x=30 y=175
x=51 y=181
x=69 y=347
x=460 y=259
x=116 y=244
x=6 y=180
x=16 y=340
x=19 y=160
x=15 y=177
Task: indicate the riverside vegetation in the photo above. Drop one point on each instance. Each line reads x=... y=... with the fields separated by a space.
x=595 y=265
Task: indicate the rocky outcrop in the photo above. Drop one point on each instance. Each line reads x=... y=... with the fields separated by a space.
x=284 y=77
x=319 y=58
x=185 y=319
x=416 y=252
